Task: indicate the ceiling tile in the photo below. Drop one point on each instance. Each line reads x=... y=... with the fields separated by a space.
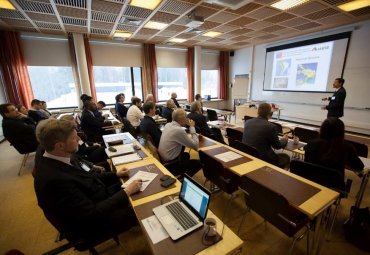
x=259 y=25
x=208 y=25
x=294 y=22
x=168 y=33
x=42 y=17
x=52 y=31
x=307 y=26
x=280 y=17
x=73 y=3
x=204 y=11
x=191 y=1
x=12 y=14
x=216 y=40
x=226 y=28
x=222 y=17
x=240 y=38
x=126 y=28
x=159 y=39
x=176 y=28
x=72 y=12
x=241 y=21
x=286 y=31
x=176 y=7
x=321 y=14
x=273 y=28
x=335 y=2
x=255 y=33
x=77 y=29
x=182 y=21
x=137 y=12
x=103 y=16
x=147 y=31
x=101 y=25
x=245 y=9
x=213 y=6
x=361 y=12
x=34 y=6
x=307 y=8
x=100 y=31
x=25 y=29
x=48 y=26
x=164 y=17
x=186 y=35
x=104 y=6
x=263 y=13
x=17 y=22
x=336 y=19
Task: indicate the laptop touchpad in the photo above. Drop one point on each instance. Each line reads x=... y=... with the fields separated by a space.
x=167 y=219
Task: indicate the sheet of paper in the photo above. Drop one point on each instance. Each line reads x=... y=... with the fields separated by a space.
x=121 y=150
x=154 y=229
x=146 y=177
x=228 y=156
x=366 y=162
x=126 y=159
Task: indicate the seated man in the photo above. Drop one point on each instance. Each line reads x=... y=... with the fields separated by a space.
x=18 y=129
x=173 y=141
x=199 y=99
x=86 y=204
x=148 y=125
x=134 y=114
x=168 y=109
x=261 y=134
x=44 y=109
x=121 y=109
x=92 y=125
x=35 y=111
x=173 y=97
x=201 y=123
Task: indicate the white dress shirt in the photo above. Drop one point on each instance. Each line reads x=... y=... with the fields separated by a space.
x=173 y=138
x=134 y=115
x=61 y=159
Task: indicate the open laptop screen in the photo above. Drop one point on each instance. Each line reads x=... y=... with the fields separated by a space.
x=195 y=196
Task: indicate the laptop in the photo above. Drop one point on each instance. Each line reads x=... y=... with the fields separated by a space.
x=182 y=216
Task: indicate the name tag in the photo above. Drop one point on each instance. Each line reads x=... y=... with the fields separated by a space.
x=332 y=98
x=85 y=167
x=80 y=142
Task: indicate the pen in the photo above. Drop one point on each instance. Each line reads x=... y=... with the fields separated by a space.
x=144 y=180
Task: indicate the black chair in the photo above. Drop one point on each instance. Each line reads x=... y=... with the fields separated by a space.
x=215 y=172
x=305 y=135
x=246 y=117
x=361 y=149
x=279 y=129
x=212 y=115
x=275 y=209
x=246 y=148
x=327 y=177
x=233 y=135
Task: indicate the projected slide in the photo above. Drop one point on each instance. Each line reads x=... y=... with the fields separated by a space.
x=303 y=68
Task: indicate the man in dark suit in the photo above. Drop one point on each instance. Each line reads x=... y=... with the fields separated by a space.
x=201 y=125
x=173 y=97
x=35 y=111
x=168 y=110
x=261 y=134
x=148 y=125
x=336 y=101
x=18 y=129
x=92 y=125
x=86 y=204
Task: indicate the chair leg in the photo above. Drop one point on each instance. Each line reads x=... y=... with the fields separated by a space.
x=25 y=157
x=92 y=251
x=333 y=220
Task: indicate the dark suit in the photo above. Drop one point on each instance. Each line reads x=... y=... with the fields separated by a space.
x=85 y=203
x=262 y=135
x=121 y=110
x=148 y=125
x=336 y=103
x=316 y=149
x=176 y=103
x=21 y=134
x=202 y=127
x=37 y=115
x=167 y=114
x=92 y=126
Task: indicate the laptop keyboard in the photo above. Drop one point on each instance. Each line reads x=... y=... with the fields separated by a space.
x=181 y=215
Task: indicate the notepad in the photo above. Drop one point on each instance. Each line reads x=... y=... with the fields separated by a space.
x=121 y=150
x=126 y=159
x=228 y=156
x=141 y=175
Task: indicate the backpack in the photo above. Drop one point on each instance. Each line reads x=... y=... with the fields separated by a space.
x=357 y=228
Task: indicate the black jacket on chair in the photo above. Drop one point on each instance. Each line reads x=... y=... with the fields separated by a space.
x=37 y=115
x=336 y=103
x=85 y=203
x=21 y=134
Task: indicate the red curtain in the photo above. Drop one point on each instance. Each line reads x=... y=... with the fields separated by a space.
x=190 y=72
x=17 y=82
x=150 y=75
x=90 y=68
x=224 y=75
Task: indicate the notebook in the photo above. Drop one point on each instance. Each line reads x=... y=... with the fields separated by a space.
x=182 y=216
x=126 y=159
x=121 y=150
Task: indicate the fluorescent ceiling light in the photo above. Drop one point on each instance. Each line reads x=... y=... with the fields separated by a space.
x=147 y=4
x=354 y=5
x=5 y=4
x=120 y=34
x=288 y=4
x=212 y=34
x=177 y=40
x=155 y=25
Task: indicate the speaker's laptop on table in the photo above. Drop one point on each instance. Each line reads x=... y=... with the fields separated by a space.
x=187 y=213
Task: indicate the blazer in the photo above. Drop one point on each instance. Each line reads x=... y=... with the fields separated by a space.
x=91 y=126
x=262 y=135
x=37 y=115
x=336 y=103
x=176 y=103
x=148 y=125
x=167 y=114
x=200 y=124
x=21 y=134
x=84 y=203
x=121 y=110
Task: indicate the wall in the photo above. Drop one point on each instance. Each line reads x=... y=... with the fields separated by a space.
x=356 y=74
x=2 y=101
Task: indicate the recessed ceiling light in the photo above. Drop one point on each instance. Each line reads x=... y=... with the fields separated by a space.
x=147 y=4
x=155 y=25
x=5 y=4
x=121 y=34
x=288 y=4
x=212 y=34
x=177 y=40
x=354 y=5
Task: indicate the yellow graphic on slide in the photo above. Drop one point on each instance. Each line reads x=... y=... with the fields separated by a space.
x=306 y=74
x=282 y=67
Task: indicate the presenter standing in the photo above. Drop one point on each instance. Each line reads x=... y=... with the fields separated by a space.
x=336 y=101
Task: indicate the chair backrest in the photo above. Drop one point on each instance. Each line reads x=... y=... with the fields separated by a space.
x=214 y=171
x=234 y=134
x=246 y=148
x=327 y=177
x=305 y=135
x=212 y=115
x=271 y=206
x=279 y=128
x=361 y=149
x=246 y=117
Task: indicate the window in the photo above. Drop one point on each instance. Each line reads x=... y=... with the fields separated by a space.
x=111 y=80
x=172 y=80
x=54 y=84
x=209 y=83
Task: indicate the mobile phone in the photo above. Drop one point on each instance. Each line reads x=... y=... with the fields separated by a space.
x=165 y=177
x=168 y=182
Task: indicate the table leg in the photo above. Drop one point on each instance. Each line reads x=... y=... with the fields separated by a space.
x=319 y=233
x=362 y=189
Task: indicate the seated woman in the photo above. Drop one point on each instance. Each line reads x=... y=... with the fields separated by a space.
x=331 y=150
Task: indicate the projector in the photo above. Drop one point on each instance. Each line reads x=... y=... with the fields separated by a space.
x=194 y=21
